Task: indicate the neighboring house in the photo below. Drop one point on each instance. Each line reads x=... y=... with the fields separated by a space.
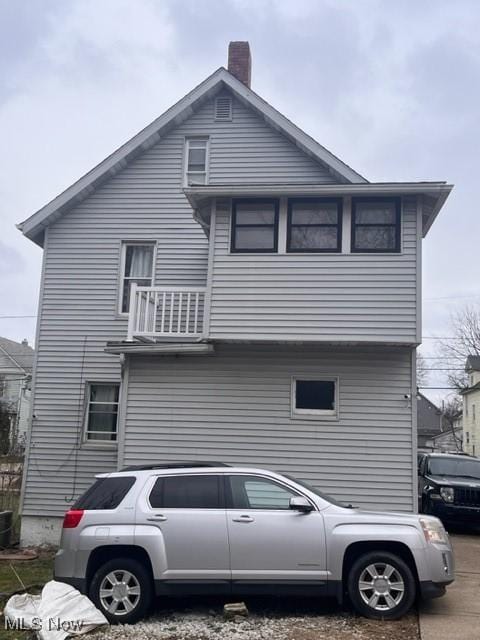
x=430 y=422
x=224 y=288
x=449 y=440
x=471 y=407
x=16 y=364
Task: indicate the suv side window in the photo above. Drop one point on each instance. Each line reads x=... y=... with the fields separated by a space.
x=253 y=492
x=187 y=492
x=105 y=493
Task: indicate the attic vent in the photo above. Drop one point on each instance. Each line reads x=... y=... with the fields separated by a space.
x=223 y=108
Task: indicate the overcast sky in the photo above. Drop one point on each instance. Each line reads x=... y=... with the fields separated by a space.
x=392 y=88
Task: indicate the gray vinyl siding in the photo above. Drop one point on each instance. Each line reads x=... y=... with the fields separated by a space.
x=324 y=297
x=81 y=281
x=235 y=407
x=247 y=151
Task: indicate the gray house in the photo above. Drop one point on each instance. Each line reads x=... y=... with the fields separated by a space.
x=222 y=287
x=16 y=363
x=430 y=423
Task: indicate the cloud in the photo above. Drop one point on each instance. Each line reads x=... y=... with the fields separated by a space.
x=391 y=88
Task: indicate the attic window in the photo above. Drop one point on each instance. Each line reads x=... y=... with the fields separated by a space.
x=196 y=161
x=223 y=108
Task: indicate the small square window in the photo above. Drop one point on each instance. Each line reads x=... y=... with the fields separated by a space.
x=254 y=226
x=376 y=225
x=315 y=397
x=196 y=161
x=102 y=412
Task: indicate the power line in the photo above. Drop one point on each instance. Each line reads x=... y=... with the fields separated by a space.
x=440 y=388
x=474 y=297
x=440 y=338
x=11 y=317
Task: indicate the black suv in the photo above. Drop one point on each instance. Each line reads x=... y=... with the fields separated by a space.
x=449 y=487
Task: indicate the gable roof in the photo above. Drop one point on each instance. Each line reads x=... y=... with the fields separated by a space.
x=35 y=225
x=19 y=353
x=473 y=363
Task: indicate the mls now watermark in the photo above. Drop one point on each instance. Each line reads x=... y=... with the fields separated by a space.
x=50 y=624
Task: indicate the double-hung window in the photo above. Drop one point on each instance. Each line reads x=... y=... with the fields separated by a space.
x=137 y=266
x=196 y=161
x=376 y=224
x=254 y=226
x=314 y=225
x=102 y=411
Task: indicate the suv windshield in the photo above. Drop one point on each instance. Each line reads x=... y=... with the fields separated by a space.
x=318 y=493
x=454 y=467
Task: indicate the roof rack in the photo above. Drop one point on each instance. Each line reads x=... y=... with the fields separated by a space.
x=173 y=465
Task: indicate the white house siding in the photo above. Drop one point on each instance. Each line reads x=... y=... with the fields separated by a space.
x=330 y=296
x=235 y=407
x=81 y=281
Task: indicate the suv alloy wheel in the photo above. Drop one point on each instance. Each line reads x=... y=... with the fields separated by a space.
x=381 y=585
x=122 y=590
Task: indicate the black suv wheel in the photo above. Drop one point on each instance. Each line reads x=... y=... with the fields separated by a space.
x=122 y=590
x=381 y=585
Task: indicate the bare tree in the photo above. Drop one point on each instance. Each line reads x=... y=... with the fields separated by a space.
x=6 y=418
x=450 y=409
x=463 y=341
x=422 y=371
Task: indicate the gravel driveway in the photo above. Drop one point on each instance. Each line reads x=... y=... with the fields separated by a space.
x=269 y=620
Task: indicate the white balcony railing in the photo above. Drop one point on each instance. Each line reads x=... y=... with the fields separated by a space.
x=166 y=312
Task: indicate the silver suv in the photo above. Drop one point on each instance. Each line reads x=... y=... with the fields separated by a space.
x=195 y=528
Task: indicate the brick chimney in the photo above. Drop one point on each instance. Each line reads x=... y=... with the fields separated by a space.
x=240 y=61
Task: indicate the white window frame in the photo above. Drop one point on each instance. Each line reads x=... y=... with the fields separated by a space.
x=186 y=172
x=314 y=414
x=98 y=442
x=123 y=255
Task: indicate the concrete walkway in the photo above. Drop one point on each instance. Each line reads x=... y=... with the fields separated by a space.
x=457 y=614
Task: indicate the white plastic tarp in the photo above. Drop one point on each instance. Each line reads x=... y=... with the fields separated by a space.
x=59 y=612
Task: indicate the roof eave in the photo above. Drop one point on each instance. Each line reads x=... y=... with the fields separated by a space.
x=198 y=196
x=34 y=226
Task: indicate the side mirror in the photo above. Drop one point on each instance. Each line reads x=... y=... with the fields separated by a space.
x=299 y=503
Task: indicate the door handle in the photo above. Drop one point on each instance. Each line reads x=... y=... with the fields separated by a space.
x=243 y=519
x=157 y=518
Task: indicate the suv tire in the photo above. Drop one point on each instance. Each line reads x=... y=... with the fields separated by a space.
x=381 y=586
x=122 y=590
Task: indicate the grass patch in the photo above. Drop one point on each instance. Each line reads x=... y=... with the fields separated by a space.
x=32 y=572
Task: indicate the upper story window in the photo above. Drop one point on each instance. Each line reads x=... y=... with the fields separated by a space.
x=196 y=161
x=137 y=266
x=376 y=225
x=314 y=225
x=102 y=411
x=254 y=226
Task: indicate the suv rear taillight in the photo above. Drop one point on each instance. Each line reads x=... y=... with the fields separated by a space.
x=72 y=518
